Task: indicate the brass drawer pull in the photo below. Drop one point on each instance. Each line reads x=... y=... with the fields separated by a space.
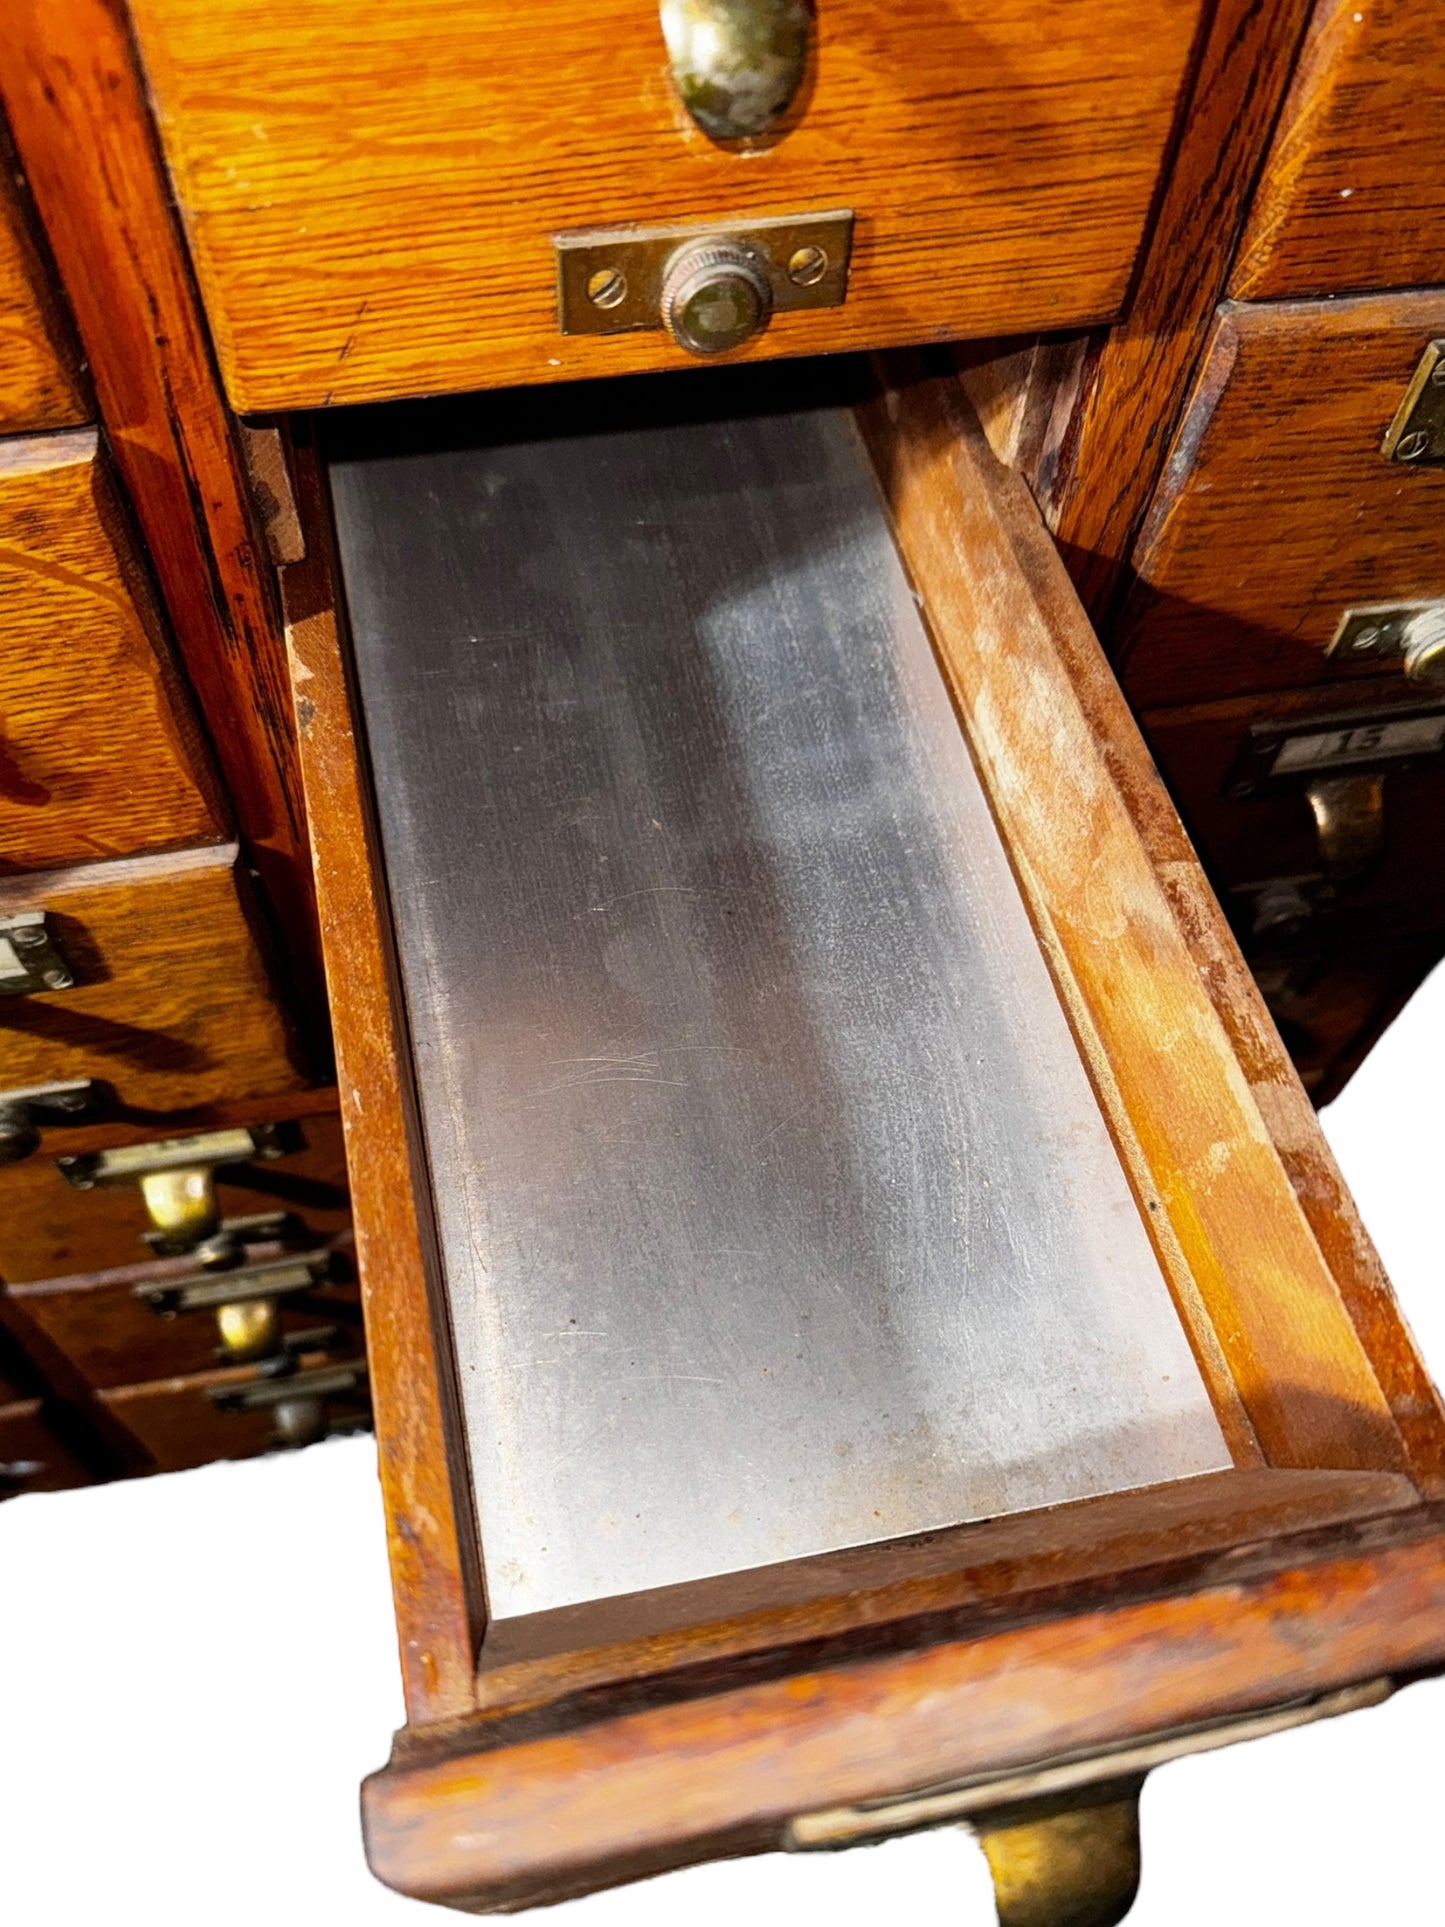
x=737 y=64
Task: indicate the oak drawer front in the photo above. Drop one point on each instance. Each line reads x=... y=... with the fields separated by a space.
x=1351 y=196
x=50 y=1230
x=100 y=752
x=172 y=1004
x=106 y=1327
x=181 y=1422
x=39 y=387
x=1278 y=511
x=1309 y=810
x=371 y=189
x=32 y=1457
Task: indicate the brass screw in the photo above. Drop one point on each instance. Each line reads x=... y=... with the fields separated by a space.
x=1437 y=374
x=27 y=939
x=606 y=287
x=1411 y=447
x=807 y=266
x=1365 y=640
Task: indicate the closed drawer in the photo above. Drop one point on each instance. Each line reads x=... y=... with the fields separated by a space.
x=1308 y=812
x=39 y=387
x=371 y=189
x=33 y=1458
x=49 y=1230
x=1278 y=512
x=1351 y=196
x=100 y=754
x=240 y=1412
x=119 y=1327
x=172 y=1004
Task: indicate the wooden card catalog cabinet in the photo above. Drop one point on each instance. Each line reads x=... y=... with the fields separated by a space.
x=860 y=1310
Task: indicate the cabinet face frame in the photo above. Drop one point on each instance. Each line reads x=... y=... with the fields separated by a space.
x=1328 y=1412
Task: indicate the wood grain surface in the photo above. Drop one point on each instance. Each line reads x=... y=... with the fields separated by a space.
x=177 y=1423
x=83 y=130
x=560 y=1805
x=981 y=1572
x=40 y=383
x=1277 y=511
x=370 y=191
x=1137 y=376
x=1272 y=833
x=1050 y=731
x=1352 y=196
x=49 y=1230
x=112 y=1337
x=173 y=1002
x=100 y=751
x=435 y=1572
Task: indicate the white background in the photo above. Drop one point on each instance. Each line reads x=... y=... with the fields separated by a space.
x=196 y=1672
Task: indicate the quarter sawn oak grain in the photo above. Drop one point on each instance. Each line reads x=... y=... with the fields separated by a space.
x=370 y=191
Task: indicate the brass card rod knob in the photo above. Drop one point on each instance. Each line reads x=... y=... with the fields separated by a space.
x=716 y=297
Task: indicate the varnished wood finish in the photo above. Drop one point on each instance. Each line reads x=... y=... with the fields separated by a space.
x=1049 y=732
x=40 y=385
x=1272 y=833
x=1138 y=374
x=370 y=191
x=113 y=1338
x=578 y=1800
x=100 y=753
x=48 y=1230
x=173 y=1002
x=1352 y=198
x=982 y=1569
x=177 y=1423
x=80 y=122
x=1277 y=511
x=432 y=1564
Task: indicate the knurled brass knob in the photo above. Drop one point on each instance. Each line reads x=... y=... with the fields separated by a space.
x=1424 y=646
x=716 y=296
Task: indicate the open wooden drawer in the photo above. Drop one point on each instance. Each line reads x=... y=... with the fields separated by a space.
x=864 y=1327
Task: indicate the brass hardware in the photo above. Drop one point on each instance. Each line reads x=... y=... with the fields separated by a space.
x=614 y=280
x=1283 y=908
x=1417 y=433
x=249 y=1328
x=299 y=1400
x=1411 y=632
x=244 y=1300
x=24 y=1112
x=1349 y=813
x=715 y=298
x=1272 y=755
x=737 y=64
x=989 y=1794
x=177 y=1178
x=1424 y=646
x=1065 y=1864
x=30 y=958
